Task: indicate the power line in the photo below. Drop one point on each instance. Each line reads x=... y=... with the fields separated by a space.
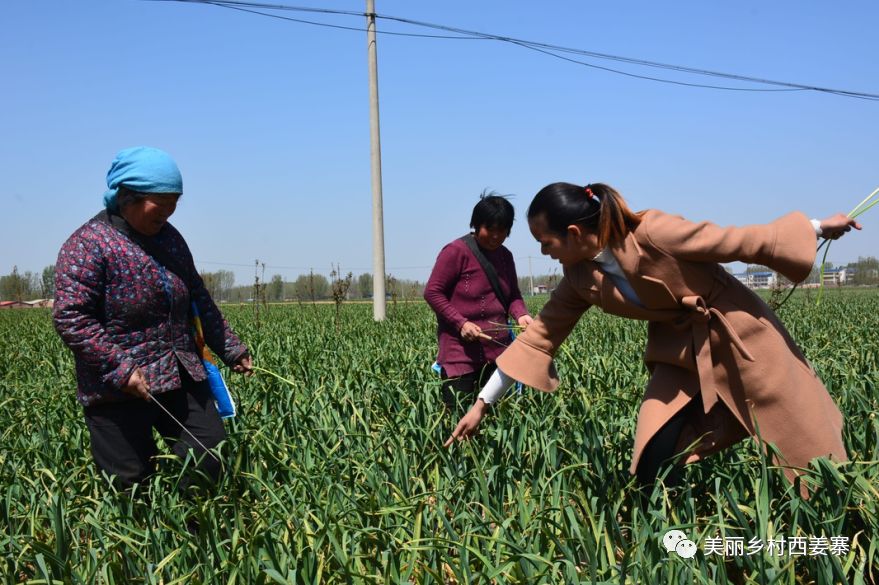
x=642 y=62
x=240 y=6
x=648 y=78
x=543 y=48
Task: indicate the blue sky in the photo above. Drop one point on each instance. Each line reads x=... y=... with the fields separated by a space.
x=268 y=121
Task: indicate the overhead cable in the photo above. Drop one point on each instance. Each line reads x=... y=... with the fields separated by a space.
x=543 y=48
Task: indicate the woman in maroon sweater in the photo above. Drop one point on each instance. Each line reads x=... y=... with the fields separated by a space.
x=467 y=309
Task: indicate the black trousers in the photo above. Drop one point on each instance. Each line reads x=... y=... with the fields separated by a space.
x=121 y=433
x=460 y=392
x=660 y=451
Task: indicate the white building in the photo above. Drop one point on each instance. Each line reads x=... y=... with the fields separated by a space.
x=837 y=276
x=757 y=279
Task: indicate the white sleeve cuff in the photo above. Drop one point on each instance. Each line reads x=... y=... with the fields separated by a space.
x=817 y=225
x=497 y=384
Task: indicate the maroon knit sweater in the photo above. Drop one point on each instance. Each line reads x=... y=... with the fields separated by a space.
x=458 y=291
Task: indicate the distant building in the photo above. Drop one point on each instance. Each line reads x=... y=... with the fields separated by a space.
x=765 y=279
x=40 y=303
x=838 y=276
x=539 y=289
x=26 y=304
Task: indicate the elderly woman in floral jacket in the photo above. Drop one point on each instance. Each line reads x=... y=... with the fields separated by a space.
x=125 y=281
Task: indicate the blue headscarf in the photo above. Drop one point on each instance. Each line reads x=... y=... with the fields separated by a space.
x=142 y=169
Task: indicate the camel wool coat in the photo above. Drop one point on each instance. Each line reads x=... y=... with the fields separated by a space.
x=707 y=333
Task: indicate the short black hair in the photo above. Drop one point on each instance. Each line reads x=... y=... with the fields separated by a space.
x=492 y=211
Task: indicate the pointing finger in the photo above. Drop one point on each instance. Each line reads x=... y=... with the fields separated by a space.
x=460 y=433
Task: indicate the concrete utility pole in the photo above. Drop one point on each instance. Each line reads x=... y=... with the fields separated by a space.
x=378 y=228
x=531 y=276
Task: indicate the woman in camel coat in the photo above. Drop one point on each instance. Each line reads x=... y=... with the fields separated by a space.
x=722 y=366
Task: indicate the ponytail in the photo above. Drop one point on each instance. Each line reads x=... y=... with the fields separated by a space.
x=596 y=207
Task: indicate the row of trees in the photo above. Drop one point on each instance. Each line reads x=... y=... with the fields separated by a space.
x=546 y=281
x=305 y=287
x=28 y=286
x=317 y=287
x=25 y=286
x=866 y=271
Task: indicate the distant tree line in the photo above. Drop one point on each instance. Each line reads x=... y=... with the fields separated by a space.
x=28 y=286
x=312 y=287
x=866 y=271
x=545 y=281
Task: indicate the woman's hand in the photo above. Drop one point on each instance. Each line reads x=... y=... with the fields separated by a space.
x=470 y=331
x=469 y=423
x=244 y=365
x=137 y=385
x=524 y=321
x=835 y=226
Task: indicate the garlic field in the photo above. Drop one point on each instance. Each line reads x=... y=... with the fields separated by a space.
x=335 y=471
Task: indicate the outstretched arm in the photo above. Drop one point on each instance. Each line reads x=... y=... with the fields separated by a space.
x=497 y=384
x=786 y=245
x=529 y=357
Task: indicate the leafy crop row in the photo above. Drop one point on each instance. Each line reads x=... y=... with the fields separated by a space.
x=335 y=471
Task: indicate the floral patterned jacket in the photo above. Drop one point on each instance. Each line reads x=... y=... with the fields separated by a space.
x=117 y=309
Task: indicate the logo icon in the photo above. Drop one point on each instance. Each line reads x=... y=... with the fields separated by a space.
x=677 y=542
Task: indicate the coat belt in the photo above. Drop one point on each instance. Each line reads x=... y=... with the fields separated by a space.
x=700 y=315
